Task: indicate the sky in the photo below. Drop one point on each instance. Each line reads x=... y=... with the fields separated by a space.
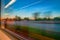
x=26 y=8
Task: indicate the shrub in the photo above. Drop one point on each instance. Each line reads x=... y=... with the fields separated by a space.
x=16 y=27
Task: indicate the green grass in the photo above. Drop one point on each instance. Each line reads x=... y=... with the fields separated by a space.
x=54 y=35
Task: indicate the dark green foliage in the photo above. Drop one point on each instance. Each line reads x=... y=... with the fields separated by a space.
x=17 y=18
x=26 y=18
x=57 y=18
x=16 y=27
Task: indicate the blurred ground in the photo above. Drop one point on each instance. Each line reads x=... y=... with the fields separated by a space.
x=6 y=36
x=3 y=36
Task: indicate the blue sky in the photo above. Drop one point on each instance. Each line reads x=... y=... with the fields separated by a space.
x=25 y=8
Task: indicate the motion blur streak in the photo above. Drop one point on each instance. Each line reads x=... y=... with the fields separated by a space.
x=10 y=3
x=29 y=5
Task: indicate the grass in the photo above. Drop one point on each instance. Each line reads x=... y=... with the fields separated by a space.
x=54 y=35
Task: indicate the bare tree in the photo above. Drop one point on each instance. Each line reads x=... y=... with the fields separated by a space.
x=36 y=15
x=17 y=18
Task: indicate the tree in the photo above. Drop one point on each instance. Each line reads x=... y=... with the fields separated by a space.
x=57 y=18
x=26 y=18
x=36 y=15
x=17 y=18
x=44 y=19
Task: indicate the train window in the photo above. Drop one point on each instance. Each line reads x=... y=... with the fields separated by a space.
x=31 y=19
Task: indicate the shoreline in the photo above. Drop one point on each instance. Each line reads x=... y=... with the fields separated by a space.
x=47 y=22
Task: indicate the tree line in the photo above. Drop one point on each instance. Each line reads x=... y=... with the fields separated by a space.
x=37 y=17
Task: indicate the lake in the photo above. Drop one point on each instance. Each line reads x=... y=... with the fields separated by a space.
x=50 y=27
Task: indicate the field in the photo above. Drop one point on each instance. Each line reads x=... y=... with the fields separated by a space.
x=36 y=33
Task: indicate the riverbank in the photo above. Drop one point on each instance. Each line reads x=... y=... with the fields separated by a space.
x=29 y=31
x=40 y=22
x=47 y=22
